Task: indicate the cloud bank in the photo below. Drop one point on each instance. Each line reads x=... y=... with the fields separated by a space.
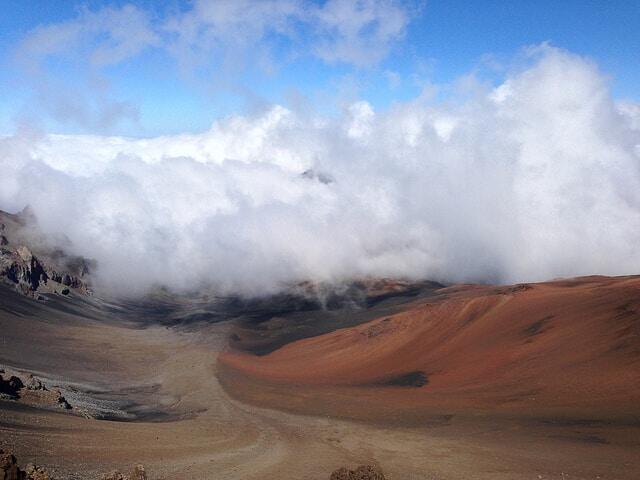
x=535 y=179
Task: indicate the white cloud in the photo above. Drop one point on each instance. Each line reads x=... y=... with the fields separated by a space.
x=360 y=32
x=527 y=182
x=106 y=37
x=67 y=64
x=75 y=92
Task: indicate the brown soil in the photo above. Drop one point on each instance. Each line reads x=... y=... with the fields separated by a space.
x=181 y=423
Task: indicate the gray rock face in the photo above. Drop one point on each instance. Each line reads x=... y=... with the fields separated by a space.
x=47 y=271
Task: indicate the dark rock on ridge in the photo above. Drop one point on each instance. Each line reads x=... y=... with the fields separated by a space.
x=47 y=271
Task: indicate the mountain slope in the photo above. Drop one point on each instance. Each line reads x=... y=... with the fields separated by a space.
x=558 y=348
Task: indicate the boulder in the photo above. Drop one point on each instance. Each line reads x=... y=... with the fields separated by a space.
x=36 y=473
x=138 y=473
x=11 y=387
x=62 y=402
x=34 y=383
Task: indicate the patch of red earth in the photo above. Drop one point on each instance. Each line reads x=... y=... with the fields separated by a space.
x=565 y=347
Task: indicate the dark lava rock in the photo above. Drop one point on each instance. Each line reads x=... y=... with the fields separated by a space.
x=11 y=387
x=63 y=402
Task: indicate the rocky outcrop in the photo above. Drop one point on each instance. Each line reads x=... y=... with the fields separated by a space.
x=32 y=390
x=33 y=472
x=33 y=383
x=11 y=387
x=363 y=472
x=49 y=271
x=9 y=469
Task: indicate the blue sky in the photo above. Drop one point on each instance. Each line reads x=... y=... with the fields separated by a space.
x=131 y=68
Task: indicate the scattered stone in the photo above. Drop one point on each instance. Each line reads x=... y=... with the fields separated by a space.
x=342 y=474
x=114 y=475
x=36 y=473
x=363 y=472
x=138 y=473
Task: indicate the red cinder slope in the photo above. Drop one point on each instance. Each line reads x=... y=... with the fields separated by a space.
x=563 y=347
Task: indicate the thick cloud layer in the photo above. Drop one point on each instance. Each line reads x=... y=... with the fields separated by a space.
x=535 y=179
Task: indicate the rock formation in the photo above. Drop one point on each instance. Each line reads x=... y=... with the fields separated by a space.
x=9 y=469
x=10 y=388
x=48 y=271
x=38 y=394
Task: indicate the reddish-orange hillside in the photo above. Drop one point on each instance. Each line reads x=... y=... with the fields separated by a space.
x=565 y=347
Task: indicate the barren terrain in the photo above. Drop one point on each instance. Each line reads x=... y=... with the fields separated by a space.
x=516 y=383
